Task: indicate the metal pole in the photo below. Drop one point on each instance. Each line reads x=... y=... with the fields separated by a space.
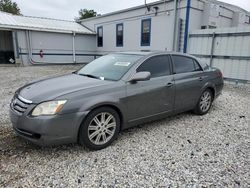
x=175 y=24
x=187 y=26
x=212 y=50
x=74 y=50
x=15 y=44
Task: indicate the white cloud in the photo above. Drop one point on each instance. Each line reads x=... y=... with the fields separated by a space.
x=68 y=9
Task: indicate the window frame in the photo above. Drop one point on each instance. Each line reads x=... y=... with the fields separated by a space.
x=170 y=65
x=117 y=25
x=142 y=21
x=193 y=59
x=196 y=62
x=98 y=31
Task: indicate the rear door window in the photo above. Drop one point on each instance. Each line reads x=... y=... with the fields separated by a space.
x=184 y=64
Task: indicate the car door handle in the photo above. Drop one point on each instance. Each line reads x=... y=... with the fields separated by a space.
x=200 y=78
x=170 y=84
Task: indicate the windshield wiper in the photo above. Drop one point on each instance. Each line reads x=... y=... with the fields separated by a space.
x=90 y=76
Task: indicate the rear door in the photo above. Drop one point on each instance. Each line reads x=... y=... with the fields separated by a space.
x=155 y=96
x=188 y=76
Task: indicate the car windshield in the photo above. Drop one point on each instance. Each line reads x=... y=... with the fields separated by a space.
x=109 y=67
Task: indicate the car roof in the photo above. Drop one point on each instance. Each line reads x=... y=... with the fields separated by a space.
x=149 y=53
x=142 y=53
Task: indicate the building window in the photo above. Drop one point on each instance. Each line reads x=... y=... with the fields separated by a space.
x=248 y=19
x=208 y=27
x=99 y=36
x=211 y=27
x=145 y=32
x=119 y=35
x=204 y=27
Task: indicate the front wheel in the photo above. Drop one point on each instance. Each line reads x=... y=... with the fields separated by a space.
x=205 y=102
x=100 y=128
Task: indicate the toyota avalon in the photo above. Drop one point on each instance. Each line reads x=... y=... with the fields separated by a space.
x=112 y=93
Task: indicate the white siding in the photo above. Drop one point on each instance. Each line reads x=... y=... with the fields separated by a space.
x=161 y=28
x=57 y=47
x=231 y=53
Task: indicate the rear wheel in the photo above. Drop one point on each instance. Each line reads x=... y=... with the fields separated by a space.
x=205 y=102
x=100 y=128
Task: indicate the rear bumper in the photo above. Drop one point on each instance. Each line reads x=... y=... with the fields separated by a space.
x=48 y=130
x=219 y=87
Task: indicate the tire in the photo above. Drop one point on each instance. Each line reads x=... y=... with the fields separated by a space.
x=205 y=102
x=100 y=128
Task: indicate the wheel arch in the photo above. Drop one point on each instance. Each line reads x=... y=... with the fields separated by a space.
x=113 y=106
x=207 y=86
x=212 y=89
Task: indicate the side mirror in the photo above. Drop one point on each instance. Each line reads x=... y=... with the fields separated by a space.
x=140 y=76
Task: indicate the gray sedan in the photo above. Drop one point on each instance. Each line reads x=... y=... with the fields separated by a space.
x=112 y=93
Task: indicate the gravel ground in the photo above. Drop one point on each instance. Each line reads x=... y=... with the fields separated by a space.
x=181 y=151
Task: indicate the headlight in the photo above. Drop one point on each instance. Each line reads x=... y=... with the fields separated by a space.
x=48 y=108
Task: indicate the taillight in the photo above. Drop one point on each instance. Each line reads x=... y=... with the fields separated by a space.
x=220 y=73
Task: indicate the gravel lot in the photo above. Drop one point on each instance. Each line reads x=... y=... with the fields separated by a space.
x=181 y=151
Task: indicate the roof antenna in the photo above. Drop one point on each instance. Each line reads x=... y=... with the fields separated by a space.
x=148 y=7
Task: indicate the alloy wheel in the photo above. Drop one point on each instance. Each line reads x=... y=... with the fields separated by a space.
x=205 y=101
x=101 y=128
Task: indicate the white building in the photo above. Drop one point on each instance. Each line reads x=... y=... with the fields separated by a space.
x=161 y=25
x=152 y=26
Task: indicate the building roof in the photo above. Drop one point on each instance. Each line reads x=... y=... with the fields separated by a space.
x=10 y=21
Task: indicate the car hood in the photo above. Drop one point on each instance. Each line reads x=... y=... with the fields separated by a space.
x=49 y=89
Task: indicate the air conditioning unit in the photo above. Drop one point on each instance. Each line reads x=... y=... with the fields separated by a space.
x=211 y=15
x=239 y=18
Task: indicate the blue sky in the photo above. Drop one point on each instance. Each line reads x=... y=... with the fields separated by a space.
x=68 y=9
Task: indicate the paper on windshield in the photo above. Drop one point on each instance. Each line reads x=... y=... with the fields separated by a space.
x=125 y=64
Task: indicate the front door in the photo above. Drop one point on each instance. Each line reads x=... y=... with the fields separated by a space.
x=152 y=97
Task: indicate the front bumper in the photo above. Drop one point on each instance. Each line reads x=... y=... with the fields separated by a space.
x=47 y=130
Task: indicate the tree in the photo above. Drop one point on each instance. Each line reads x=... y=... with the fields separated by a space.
x=10 y=7
x=85 y=13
